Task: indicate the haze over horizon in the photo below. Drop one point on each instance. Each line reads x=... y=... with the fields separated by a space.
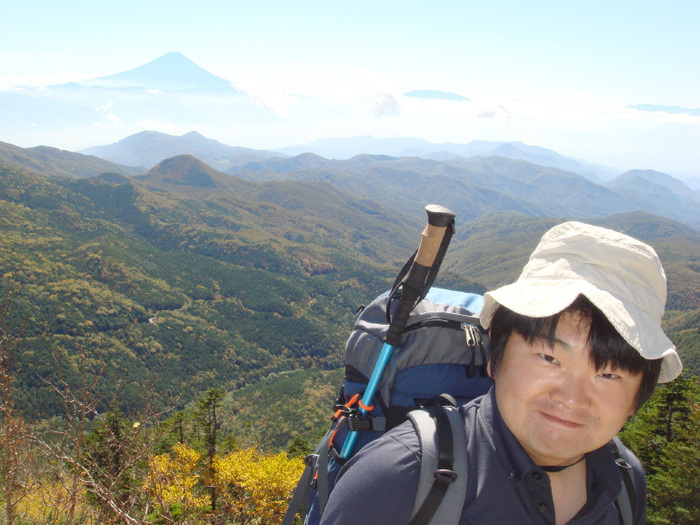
x=616 y=84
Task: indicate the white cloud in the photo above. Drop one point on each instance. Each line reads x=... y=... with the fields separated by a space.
x=112 y=120
x=386 y=105
x=42 y=69
x=672 y=118
x=105 y=107
x=274 y=101
x=332 y=83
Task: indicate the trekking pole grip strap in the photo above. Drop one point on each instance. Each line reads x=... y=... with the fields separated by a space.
x=440 y=225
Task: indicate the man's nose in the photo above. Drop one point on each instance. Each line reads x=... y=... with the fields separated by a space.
x=573 y=391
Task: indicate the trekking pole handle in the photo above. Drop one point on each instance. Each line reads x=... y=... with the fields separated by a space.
x=439 y=219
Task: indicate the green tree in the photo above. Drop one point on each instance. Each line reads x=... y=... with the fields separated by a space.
x=665 y=435
x=299 y=447
x=206 y=417
x=175 y=430
x=115 y=465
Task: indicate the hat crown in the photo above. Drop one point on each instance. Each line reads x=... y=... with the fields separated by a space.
x=626 y=268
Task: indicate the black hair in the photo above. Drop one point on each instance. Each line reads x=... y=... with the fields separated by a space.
x=607 y=346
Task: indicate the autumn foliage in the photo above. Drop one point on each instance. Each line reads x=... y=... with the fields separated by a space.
x=256 y=486
x=252 y=487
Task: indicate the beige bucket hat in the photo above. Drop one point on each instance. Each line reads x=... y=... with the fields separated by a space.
x=620 y=275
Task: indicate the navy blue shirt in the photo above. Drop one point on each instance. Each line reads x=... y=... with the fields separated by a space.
x=379 y=484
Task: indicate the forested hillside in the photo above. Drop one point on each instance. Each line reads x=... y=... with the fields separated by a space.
x=191 y=291
x=191 y=278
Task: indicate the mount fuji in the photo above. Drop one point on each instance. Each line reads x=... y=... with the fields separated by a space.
x=172 y=71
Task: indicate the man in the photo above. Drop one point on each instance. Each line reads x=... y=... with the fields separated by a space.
x=576 y=348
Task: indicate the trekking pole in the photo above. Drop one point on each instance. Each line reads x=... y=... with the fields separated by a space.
x=421 y=272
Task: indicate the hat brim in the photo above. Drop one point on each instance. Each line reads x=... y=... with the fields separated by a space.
x=547 y=297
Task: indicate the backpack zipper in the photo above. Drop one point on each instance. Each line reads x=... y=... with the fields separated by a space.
x=473 y=338
x=445 y=323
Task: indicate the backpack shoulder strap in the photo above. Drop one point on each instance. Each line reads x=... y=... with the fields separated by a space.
x=626 y=502
x=444 y=506
x=443 y=471
x=316 y=463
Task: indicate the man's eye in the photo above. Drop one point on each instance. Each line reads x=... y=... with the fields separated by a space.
x=548 y=358
x=609 y=375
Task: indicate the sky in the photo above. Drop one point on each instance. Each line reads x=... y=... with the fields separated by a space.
x=568 y=76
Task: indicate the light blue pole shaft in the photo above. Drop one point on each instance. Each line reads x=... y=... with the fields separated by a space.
x=368 y=396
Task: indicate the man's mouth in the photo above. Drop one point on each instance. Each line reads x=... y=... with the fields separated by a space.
x=561 y=420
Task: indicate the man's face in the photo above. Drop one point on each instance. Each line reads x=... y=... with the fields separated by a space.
x=553 y=399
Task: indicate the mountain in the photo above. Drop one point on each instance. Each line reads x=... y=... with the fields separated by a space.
x=666 y=195
x=172 y=71
x=276 y=167
x=57 y=162
x=432 y=94
x=693 y=183
x=345 y=148
x=148 y=148
x=174 y=93
x=477 y=186
x=315 y=201
x=186 y=171
x=650 y=181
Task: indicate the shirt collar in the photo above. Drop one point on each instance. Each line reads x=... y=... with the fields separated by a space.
x=600 y=463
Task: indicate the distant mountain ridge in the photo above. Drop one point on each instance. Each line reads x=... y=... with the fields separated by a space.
x=172 y=71
x=435 y=95
x=347 y=147
x=472 y=187
x=148 y=148
x=60 y=163
x=477 y=186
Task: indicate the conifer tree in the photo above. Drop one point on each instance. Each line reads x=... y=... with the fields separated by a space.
x=207 y=420
x=665 y=435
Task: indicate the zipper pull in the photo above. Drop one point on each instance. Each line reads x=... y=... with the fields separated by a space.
x=469 y=334
x=472 y=338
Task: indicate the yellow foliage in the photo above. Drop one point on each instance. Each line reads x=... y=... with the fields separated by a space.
x=252 y=487
x=50 y=500
x=174 y=478
x=255 y=486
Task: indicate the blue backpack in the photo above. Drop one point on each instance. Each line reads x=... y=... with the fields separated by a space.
x=443 y=351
